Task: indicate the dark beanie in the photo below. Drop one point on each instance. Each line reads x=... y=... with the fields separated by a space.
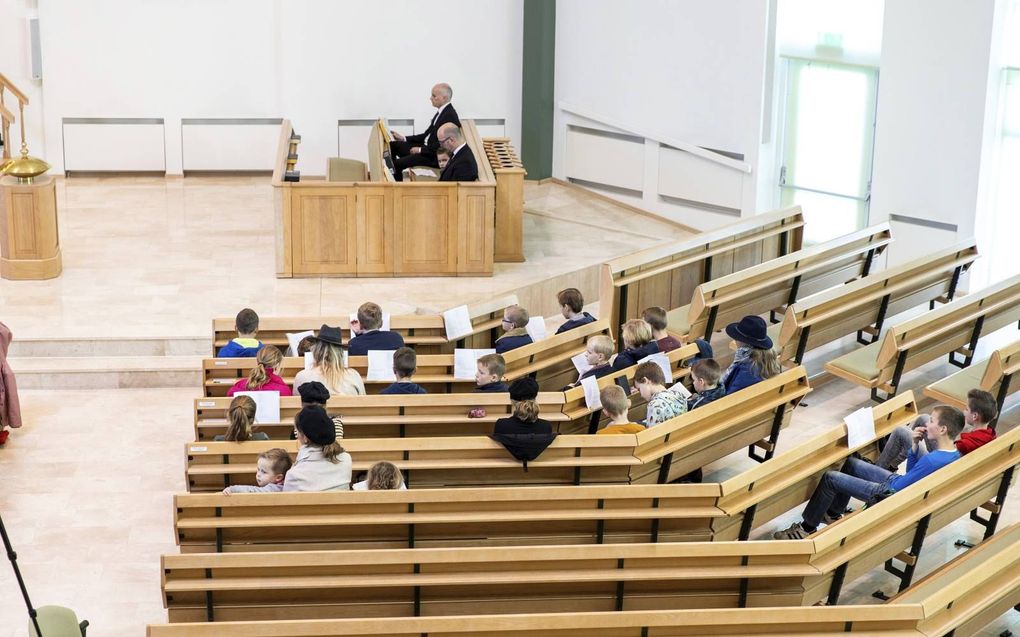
x=524 y=389
x=316 y=425
x=314 y=392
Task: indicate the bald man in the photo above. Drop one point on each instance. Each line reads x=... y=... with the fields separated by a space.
x=462 y=165
x=420 y=149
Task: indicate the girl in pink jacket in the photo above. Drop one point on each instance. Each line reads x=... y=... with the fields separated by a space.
x=262 y=376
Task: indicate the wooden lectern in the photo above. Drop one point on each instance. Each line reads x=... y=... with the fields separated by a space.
x=29 y=241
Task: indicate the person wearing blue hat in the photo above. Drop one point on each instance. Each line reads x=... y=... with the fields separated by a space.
x=755 y=359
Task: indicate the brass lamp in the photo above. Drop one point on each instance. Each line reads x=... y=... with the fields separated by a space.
x=25 y=168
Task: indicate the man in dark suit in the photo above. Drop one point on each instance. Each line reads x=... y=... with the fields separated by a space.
x=462 y=165
x=420 y=149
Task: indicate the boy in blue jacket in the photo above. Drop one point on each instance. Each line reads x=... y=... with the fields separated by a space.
x=246 y=345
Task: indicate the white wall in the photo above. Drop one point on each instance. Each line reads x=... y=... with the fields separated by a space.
x=15 y=65
x=935 y=120
x=314 y=62
x=684 y=69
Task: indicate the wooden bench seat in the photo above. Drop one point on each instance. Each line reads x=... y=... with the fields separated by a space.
x=356 y=583
x=425 y=332
x=665 y=452
x=667 y=275
x=994 y=375
x=779 y=282
x=952 y=328
x=495 y=516
x=863 y=305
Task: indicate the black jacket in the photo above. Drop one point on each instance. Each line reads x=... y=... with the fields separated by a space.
x=461 y=167
x=375 y=339
x=447 y=116
x=514 y=425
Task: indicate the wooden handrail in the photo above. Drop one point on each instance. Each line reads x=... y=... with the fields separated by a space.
x=6 y=114
x=7 y=84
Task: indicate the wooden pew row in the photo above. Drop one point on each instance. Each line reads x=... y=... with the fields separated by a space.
x=425 y=332
x=994 y=375
x=501 y=516
x=951 y=329
x=753 y=416
x=528 y=579
x=400 y=416
x=779 y=282
x=667 y=275
x=548 y=359
x=862 y=306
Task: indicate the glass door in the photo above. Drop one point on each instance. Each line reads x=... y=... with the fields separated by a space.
x=828 y=145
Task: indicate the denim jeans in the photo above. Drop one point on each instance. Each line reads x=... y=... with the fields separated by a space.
x=899 y=444
x=858 y=479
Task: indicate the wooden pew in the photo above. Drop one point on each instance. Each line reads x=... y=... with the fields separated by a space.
x=951 y=329
x=497 y=516
x=353 y=583
x=779 y=282
x=862 y=306
x=994 y=375
x=753 y=416
x=667 y=275
x=425 y=332
x=392 y=416
x=957 y=599
x=548 y=360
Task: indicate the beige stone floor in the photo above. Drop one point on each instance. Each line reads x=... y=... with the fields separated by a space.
x=151 y=257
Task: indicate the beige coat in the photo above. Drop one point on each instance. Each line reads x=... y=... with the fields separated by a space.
x=10 y=408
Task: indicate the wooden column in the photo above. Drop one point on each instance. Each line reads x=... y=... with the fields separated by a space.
x=29 y=239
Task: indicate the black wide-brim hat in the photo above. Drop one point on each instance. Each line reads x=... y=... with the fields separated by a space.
x=751 y=330
x=331 y=335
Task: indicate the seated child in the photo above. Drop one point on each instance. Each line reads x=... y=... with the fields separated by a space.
x=867 y=482
x=241 y=416
x=443 y=157
x=597 y=354
x=489 y=377
x=382 y=476
x=246 y=345
x=981 y=410
x=515 y=319
x=273 y=465
x=405 y=362
x=306 y=345
x=662 y=403
x=572 y=306
x=637 y=343
x=262 y=376
x=369 y=336
x=315 y=393
x=656 y=318
x=616 y=405
x=705 y=375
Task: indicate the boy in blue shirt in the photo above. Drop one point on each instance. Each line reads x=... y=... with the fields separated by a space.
x=572 y=307
x=405 y=362
x=367 y=332
x=868 y=482
x=245 y=345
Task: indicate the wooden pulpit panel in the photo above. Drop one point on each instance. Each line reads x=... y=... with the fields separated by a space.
x=325 y=232
x=476 y=234
x=425 y=231
x=375 y=231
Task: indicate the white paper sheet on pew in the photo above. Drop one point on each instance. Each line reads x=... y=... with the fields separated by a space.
x=267 y=405
x=662 y=361
x=860 y=427
x=580 y=363
x=294 y=339
x=380 y=365
x=681 y=390
x=385 y=321
x=310 y=360
x=457 y=322
x=592 y=399
x=536 y=328
x=465 y=362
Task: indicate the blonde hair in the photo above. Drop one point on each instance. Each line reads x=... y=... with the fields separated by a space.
x=614 y=400
x=384 y=476
x=526 y=410
x=765 y=362
x=279 y=460
x=268 y=358
x=601 y=344
x=329 y=359
x=636 y=333
x=241 y=415
x=495 y=364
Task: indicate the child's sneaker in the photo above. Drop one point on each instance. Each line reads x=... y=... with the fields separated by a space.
x=795 y=532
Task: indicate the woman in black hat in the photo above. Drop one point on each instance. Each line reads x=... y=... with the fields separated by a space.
x=322 y=464
x=329 y=368
x=524 y=420
x=755 y=359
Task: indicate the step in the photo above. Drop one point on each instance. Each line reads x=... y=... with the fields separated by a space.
x=107 y=372
x=111 y=346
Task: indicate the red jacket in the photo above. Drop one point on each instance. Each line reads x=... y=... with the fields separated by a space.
x=973 y=439
x=275 y=383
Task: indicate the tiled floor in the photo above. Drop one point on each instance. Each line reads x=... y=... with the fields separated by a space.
x=86 y=486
